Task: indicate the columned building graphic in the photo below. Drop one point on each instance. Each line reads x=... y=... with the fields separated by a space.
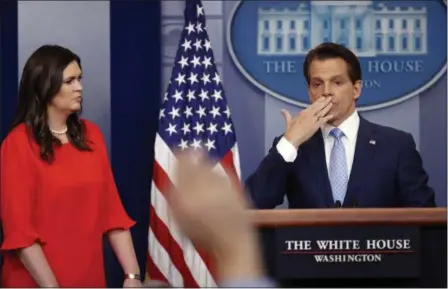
x=368 y=28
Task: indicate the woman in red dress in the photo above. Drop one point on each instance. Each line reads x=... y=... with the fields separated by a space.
x=57 y=195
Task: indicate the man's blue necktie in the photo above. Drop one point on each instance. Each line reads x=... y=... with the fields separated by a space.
x=338 y=167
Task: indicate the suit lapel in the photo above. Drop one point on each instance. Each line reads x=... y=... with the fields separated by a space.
x=364 y=153
x=319 y=165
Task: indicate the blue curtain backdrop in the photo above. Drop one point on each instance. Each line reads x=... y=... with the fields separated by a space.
x=135 y=94
x=8 y=70
x=8 y=63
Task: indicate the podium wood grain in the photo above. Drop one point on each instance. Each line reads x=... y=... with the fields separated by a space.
x=349 y=216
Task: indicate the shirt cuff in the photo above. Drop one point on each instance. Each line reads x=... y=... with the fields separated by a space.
x=286 y=150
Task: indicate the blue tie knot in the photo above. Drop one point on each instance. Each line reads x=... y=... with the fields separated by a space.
x=336 y=133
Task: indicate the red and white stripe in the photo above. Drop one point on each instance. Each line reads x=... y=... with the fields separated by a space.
x=172 y=257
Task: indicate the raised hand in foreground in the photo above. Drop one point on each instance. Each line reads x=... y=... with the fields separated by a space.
x=213 y=213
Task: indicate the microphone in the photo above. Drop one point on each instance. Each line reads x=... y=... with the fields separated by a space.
x=337 y=204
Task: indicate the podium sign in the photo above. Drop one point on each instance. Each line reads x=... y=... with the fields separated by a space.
x=348 y=252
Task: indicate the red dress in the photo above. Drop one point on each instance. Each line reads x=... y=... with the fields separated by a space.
x=67 y=206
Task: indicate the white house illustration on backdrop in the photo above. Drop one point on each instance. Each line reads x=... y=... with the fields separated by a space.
x=366 y=28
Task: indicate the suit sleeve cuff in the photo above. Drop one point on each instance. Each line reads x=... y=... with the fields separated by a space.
x=286 y=150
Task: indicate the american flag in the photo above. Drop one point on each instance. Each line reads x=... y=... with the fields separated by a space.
x=193 y=115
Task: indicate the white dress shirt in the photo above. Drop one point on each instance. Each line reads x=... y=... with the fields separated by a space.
x=350 y=129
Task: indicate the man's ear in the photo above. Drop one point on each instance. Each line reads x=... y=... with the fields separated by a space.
x=357 y=88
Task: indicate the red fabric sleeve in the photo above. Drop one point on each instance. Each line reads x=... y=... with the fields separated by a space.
x=116 y=216
x=17 y=192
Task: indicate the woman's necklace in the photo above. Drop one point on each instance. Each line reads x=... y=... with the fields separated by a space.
x=60 y=132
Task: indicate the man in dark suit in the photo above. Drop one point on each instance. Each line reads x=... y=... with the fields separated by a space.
x=329 y=156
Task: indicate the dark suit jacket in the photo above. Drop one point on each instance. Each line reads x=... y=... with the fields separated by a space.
x=387 y=172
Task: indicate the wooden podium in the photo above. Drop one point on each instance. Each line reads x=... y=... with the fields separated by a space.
x=405 y=247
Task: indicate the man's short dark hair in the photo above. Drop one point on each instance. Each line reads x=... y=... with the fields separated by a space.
x=329 y=50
